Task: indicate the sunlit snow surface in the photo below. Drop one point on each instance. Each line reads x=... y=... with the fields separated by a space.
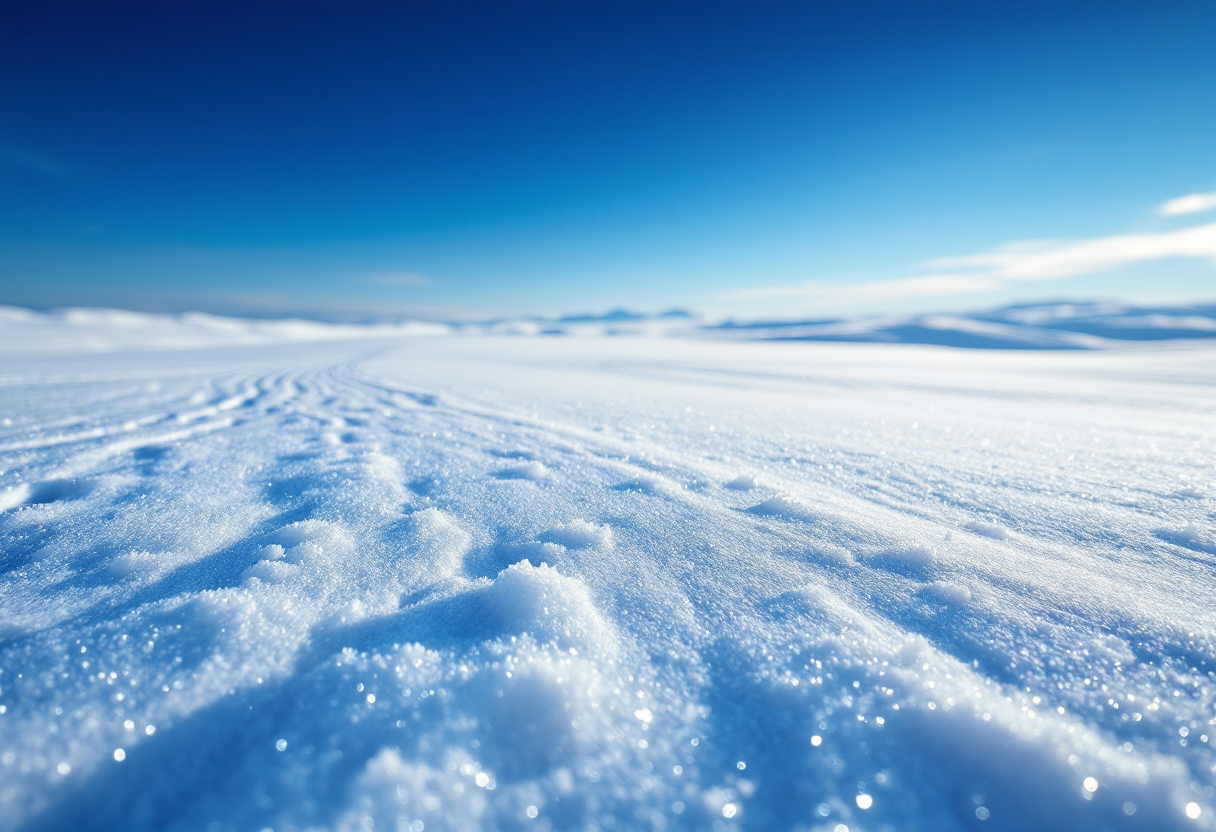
x=454 y=583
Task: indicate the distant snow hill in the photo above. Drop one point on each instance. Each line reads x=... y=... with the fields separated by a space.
x=1055 y=326
x=1049 y=326
x=28 y=331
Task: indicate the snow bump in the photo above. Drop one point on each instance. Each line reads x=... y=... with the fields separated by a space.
x=579 y=534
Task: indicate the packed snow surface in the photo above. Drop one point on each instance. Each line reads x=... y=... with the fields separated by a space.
x=453 y=583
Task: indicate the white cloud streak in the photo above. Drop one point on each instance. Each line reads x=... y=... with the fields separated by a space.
x=1189 y=204
x=1049 y=261
x=989 y=271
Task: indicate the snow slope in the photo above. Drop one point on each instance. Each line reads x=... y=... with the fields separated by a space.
x=607 y=584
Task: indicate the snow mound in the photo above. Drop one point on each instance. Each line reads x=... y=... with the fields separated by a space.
x=549 y=607
x=785 y=507
x=579 y=534
x=949 y=593
x=987 y=529
x=524 y=471
x=644 y=484
x=1190 y=537
x=308 y=539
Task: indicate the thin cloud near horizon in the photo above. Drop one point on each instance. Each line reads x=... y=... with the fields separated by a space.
x=411 y=279
x=1023 y=261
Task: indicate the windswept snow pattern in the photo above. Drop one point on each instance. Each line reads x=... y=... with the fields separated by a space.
x=452 y=584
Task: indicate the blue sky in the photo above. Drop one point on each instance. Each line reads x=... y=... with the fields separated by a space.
x=471 y=159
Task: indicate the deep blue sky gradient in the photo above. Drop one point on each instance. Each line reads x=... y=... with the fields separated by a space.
x=506 y=157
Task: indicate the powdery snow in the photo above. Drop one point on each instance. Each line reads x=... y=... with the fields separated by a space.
x=486 y=583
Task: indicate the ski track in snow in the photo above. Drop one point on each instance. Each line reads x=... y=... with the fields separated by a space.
x=480 y=583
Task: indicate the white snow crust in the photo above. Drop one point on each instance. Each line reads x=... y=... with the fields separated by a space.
x=455 y=583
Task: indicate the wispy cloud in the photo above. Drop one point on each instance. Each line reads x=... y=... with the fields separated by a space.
x=29 y=160
x=1049 y=261
x=1189 y=204
x=1025 y=261
x=412 y=279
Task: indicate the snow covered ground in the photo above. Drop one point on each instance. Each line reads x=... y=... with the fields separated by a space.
x=454 y=583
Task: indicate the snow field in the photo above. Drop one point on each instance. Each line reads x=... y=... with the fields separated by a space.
x=462 y=584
